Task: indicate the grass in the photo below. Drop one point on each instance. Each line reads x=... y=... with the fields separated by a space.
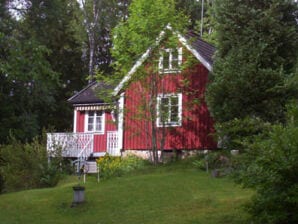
x=167 y=194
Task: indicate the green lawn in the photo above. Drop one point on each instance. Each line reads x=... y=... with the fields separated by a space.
x=169 y=194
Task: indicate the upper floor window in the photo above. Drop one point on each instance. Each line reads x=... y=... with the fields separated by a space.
x=170 y=60
x=169 y=110
x=95 y=121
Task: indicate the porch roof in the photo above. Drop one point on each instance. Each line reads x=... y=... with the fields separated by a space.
x=89 y=95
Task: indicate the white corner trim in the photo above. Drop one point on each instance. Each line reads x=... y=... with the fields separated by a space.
x=121 y=122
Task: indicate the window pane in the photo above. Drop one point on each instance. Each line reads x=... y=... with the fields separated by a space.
x=98 y=123
x=166 y=60
x=174 y=114
x=90 y=120
x=174 y=100
x=164 y=109
x=175 y=59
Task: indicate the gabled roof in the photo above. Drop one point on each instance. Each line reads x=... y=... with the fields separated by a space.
x=88 y=95
x=202 y=50
x=199 y=48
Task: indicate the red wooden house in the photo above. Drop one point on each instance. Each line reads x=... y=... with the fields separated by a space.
x=167 y=103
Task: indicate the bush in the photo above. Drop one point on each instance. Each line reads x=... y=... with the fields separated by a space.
x=116 y=166
x=25 y=166
x=216 y=160
x=270 y=167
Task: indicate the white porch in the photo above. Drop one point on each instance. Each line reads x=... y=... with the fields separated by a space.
x=81 y=145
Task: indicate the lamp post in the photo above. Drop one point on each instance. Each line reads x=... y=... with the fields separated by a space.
x=202 y=18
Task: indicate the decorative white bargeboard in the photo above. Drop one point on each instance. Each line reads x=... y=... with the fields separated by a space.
x=71 y=144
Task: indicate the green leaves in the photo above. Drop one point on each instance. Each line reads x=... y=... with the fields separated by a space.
x=147 y=19
x=270 y=166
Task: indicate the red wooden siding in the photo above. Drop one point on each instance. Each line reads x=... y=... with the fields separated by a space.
x=100 y=140
x=197 y=125
x=80 y=121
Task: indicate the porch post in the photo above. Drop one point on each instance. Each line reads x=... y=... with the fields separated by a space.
x=120 y=122
x=74 y=120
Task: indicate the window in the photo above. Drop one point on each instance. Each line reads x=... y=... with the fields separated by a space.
x=170 y=60
x=95 y=121
x=169 y=110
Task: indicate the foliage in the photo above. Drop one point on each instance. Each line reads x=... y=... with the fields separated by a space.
x=40 y=67
x=270 y=167
x=216 y=160
x=144 y=29
x=255 y=59
x=232 y=134
x=110 y=166
x=53 y=24
x=99 y=17
x=25 y=166
x=147 y=18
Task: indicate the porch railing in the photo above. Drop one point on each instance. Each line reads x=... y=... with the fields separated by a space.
x=71 y=144
x=112 y=143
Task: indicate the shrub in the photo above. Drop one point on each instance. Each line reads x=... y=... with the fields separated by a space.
x=270 y=167
x=216 y=160
x=25 y=166
x=116 y=166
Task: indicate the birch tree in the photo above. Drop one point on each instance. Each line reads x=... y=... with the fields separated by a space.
x=99 y=17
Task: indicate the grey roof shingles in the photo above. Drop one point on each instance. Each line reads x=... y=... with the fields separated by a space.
x=203 y=48
x=88 y=95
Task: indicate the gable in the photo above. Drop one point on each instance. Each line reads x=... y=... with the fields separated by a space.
x=201 y=50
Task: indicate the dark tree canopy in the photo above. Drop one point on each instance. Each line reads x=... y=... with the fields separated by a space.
x=256 y=53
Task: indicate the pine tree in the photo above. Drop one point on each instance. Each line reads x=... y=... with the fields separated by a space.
x=256 y=53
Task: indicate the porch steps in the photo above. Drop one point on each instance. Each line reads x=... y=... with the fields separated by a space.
x=92 y=167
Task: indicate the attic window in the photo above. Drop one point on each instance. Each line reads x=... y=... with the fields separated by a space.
x=170 y=60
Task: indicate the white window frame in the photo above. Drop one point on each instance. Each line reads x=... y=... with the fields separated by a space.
x=96 y=114
x=169 y=53
x=169 y=123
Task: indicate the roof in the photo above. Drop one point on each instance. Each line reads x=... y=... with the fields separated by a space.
x=88 y=95
x=202 y=50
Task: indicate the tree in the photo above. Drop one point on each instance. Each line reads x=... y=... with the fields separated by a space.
x=256 y=54
x=53 y=24
x=131 y=38
x=200 y=13
x=25 y=76
x=99 y=17
x=270 y=167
